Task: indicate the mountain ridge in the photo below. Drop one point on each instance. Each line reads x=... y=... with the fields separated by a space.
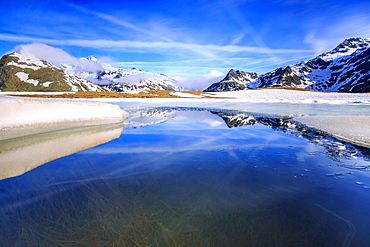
x=346 y=68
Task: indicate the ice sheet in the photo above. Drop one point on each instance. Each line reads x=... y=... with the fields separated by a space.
x=26 y=115
x=354 y=129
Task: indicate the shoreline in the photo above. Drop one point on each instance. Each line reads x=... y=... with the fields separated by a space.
x=260 y=96
x=346 y=126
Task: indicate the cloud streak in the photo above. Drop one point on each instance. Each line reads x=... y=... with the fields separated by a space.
x=125 y=45
x=179 y=38
x=117 y=21
x=164 y=43
x=138 y=44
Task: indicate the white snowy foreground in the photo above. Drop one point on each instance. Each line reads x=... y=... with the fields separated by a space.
x=295 y=96
x=21 y=116
x=282 y=95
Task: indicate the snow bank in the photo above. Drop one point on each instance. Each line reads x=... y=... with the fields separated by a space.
x=294 y=96
x=258 y=96
x=353 y=129
x=186 y=95
x=27 y=115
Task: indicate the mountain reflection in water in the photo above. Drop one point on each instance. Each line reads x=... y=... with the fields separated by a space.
x=334 y=148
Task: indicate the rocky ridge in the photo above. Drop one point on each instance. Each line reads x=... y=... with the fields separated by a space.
x=234 y=80
x=346 y=68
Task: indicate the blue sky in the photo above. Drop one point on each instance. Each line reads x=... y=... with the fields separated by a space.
x=187 y=38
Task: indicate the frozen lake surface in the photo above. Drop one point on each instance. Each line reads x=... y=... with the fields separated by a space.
x=194 y=176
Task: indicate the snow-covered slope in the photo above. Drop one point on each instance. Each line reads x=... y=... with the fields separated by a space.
x=24 y=72
x=346 y=68
x=117 y=79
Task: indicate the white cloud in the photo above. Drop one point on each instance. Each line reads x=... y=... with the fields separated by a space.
x=318 y=45
x=127 y=45
x=133 y=79
x=58 y=57
x=353 y=26
x=55 y=56
x=201 y=82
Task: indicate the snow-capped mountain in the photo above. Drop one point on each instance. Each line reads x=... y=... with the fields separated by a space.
x=19 y=72
x=346 y=68
x=233 y=81
x=117 y=79
x=136 y=80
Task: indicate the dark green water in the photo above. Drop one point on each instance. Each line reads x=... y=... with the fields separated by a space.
x=195 y=178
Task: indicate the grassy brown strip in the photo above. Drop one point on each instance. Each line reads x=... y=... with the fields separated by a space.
x=143 y=94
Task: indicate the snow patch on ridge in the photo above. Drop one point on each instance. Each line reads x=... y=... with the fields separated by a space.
x=28 y=59
x=24 y=77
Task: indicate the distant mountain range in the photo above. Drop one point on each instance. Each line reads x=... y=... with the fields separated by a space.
x=19 y=72
x=346 y=68
x=120 y=80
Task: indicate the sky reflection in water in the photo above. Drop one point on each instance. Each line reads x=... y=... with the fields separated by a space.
x=190 y=180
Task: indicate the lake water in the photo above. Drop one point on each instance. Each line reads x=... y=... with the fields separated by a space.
x=180 y=176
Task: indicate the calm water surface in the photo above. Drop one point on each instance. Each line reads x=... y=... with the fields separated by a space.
x=195 y=177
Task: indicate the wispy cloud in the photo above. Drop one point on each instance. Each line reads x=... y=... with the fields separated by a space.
x=179 y=36
x=325 y=38
x=163 y=43
x=238 y=38
x=233 y=10
x=119 y=22
x=168 y=43
x=202 y=65
x=124 y=45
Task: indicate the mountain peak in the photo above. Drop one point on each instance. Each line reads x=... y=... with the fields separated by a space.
x=355 y=42
x=347 y=47
x=91 y=58
x=234 y=80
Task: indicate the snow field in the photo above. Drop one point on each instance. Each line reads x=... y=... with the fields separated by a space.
x=18 y=112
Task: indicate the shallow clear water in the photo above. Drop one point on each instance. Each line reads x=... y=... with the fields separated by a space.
x=195 y=177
